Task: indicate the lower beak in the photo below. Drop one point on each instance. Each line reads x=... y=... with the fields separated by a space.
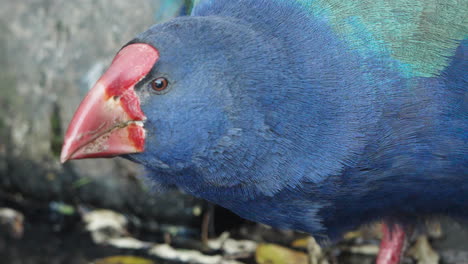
x=109 y=121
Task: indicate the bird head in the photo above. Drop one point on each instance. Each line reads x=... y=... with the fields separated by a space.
x=170 y=96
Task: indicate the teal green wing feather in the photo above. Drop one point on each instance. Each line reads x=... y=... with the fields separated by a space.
x=167 y=9
x=421 y=35
x=191 y=3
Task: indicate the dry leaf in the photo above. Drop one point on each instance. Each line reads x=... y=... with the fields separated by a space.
x=274 y=254
x=123 y=260
x=423 y=252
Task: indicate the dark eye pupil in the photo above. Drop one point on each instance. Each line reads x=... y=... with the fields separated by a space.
x=159 y=84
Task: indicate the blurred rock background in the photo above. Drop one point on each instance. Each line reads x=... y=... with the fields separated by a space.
x=51 y=53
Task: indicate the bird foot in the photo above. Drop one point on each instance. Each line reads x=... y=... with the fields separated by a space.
x=391 y=246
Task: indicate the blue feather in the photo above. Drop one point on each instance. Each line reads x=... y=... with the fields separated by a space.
x=295 y=115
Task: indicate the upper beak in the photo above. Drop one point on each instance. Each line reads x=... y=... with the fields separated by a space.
x=109 y=121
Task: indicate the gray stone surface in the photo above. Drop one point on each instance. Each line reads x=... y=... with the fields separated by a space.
x=51 y=53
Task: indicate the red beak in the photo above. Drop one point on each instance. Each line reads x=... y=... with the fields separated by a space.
x=109 y=121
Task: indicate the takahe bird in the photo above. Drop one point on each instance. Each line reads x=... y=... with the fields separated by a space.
x=317 y=115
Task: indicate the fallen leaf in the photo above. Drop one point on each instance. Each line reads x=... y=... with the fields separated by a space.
x=365 y=249
x=188 y=256
x=300 y=243
x=274 y=254
x=422 y=252
x=11 y=222
x=123 y=260
x=105 y=225
x=373 y=231
x=231 y=246
x=128 y=243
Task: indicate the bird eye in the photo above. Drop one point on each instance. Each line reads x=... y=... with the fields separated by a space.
x=159 y=84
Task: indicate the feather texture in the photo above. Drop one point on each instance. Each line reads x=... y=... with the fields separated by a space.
x=313 y=115
x=420 y=35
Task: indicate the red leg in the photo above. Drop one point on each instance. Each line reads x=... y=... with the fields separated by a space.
x=392 y=243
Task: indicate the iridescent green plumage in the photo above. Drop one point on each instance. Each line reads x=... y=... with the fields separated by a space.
x=420 y=35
